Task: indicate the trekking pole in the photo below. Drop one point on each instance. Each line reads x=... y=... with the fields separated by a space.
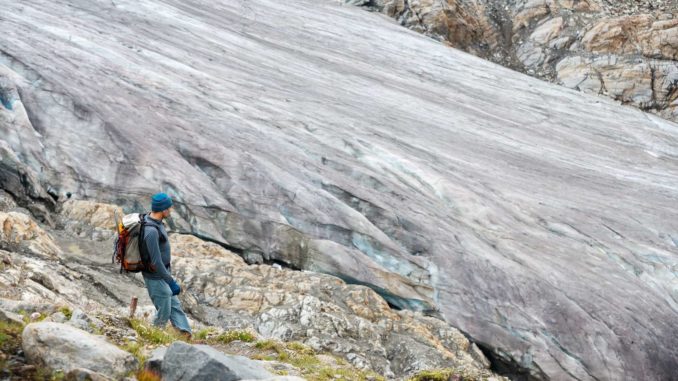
x=133 y=307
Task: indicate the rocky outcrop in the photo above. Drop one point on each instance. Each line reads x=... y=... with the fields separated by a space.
x=534 y=218
x=90 y=219
x=19 y=231
x=319 y=310
x=623 y=50
x=62 y=347
x=221 y=290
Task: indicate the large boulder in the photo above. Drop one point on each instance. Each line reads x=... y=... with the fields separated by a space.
x=58 y=346
x=184 y=362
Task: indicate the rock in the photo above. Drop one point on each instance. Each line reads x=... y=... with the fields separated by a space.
x=57 y=317
x=19 y=306
x=634 y=35
x=20 y=231
x=548 y=31
x=154 y=362
x=60 y=346
x=80 y=374
x=7 y=202
x=11 y=317
x=534 y=36
x=16 y=177
x=320 y=310
x=646 y=83
x=184 y=362
x=96 y=220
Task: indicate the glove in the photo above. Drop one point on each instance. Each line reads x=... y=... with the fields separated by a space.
x=174 y=286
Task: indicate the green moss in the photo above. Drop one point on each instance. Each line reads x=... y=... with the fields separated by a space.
x=443 y=375
x=10 y=336
x=263 y=357
x=66 y=311
x=204 y=333
x=300 y=348
x=305 y=361
x=136 y=349
x=432 y=375
x=309 y=364
x=95 y=330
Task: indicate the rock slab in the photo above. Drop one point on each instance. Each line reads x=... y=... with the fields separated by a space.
x=184 y=362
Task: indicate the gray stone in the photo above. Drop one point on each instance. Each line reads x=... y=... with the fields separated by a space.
x=62 y=347
x=10 y=317
x=184 y=362
x=80 y=374
x=253 y=258
x=154 y=362
x=57 y=317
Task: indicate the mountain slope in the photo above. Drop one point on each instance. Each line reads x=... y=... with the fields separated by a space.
x=328 y=138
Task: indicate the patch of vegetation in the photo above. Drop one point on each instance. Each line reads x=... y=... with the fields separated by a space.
x=305 y=361
x=66 y=311
x=309 y=364
x=10 y=336
x=95 y=329
x=212 y=336
x=45 y=375
x=136 y=349
x=229 y=336
x=300 y=348
x=204 y=333
x=444 y=375
x=153 y=335
x=269 y=345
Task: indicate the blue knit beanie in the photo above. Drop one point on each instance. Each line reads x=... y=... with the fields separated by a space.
x=160 y=202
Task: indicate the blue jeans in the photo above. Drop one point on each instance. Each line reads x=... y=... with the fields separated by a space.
x=168 y=306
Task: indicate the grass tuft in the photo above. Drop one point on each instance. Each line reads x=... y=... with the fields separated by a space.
x=444 y=375
x=305 y=359
x=66 y=311
x=136 y=349
x=229 y=336
x=151 y=334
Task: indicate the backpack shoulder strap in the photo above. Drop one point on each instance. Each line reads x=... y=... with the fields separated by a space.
x=143 y=250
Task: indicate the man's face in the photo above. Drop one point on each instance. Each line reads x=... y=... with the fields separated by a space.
x=166 y=213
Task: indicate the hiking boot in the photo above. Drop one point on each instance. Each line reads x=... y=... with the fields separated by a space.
x=186 y=336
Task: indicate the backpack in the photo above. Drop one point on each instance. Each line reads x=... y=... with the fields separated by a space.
x=129 y=249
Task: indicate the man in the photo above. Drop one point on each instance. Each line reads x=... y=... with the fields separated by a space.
x=162 y=288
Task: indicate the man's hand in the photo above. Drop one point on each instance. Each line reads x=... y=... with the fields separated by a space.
x=174 y=286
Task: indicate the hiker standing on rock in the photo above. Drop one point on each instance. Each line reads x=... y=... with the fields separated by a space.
x=162 y=288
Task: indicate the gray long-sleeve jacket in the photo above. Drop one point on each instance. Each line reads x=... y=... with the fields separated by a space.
x=157 y=243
